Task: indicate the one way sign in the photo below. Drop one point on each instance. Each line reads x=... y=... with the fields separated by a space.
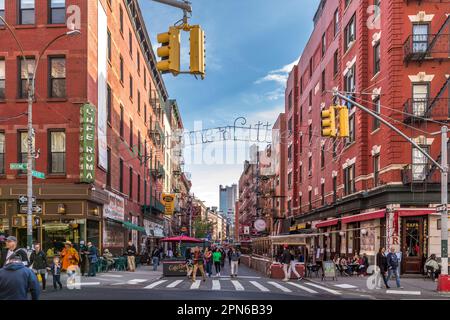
x=36 y=209
x=24 y=199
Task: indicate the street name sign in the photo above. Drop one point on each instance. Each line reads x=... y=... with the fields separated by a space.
x=24 y=199
x=36 y=209
x=18 y=166
x=38 y=174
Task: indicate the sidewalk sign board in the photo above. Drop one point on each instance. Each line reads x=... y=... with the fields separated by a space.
x=329 y=270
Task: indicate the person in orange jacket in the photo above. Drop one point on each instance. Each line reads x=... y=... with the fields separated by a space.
x=69 y=256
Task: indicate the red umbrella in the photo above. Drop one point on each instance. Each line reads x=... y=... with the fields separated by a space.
x=182 y=239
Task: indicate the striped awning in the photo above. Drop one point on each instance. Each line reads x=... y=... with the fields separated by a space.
x=327 y=223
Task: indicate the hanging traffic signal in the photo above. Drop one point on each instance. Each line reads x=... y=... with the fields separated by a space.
x=328 y=122
x=344 y=124
x=169 y=52
x=197 y=41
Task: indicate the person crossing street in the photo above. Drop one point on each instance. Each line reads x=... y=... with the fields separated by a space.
x=393 y=264
x=234 y=257
x=38 y=262
x=198 y=264
x=131 y=256
x=16 y=280
x=93 y=259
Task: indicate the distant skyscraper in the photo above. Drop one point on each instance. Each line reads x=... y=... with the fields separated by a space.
x=228 y=197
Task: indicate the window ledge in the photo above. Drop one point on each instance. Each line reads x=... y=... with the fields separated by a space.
x=57 y=99
x=349 y=145
x=2 y=101
x=25 y=26
x=350 y=47
x=56 y=25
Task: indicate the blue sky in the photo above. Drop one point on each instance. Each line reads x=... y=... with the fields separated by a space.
x=250 y=47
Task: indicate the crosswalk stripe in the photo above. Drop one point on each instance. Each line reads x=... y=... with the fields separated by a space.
x=174 y=284
x=323 y=288
x=279 y=286
x=196 y=284
x=302 y=287
x=216 y=285
x=259 y=286
x=113 y=275
x=345 y=286
x=237 y=285
x=155 y=284
x=136 y=281
x=413 y=293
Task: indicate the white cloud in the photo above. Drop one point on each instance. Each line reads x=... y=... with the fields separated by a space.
x=279 y=76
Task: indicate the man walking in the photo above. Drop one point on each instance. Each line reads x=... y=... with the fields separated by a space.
x=84 y=261
x=11 y=248
x=93 y=259
x=234 y=261
x=38 y=262
x=16 y=280
x=155 y=258
x=393 y=264
x=198 y=264
x=131 y=253
x=286 y=259
x=292 y=267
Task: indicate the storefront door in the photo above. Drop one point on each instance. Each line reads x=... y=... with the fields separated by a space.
x=412 y=244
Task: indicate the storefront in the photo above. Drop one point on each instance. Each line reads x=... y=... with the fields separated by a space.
x=114 y=233
x=154 y=233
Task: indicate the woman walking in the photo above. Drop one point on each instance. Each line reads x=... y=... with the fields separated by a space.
x=208 y=261
x=217 y=258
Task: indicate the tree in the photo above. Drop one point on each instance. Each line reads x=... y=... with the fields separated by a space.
x=202 y=228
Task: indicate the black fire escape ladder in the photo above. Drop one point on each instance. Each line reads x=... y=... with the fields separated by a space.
x=438 y=96
x=435 y=39
x=432 y=168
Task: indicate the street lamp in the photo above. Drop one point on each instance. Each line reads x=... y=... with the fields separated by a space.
x=31 y=79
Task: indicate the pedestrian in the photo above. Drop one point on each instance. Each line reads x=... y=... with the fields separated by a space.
x=108 y=256
x=217 y=259
x=222 y=258
x=189 y=262
x=234 y=261
x=11 y=248
x=208 y=261
x=292 y=266
x=38 y=262
x=198 y=264
x=393 y=264
x=383 y=266
x=286 y=259
x=69 y=256
x=84 y=260
x=229 y=252
x=155 y=258
x=434 y=267
x=55 y=270
x=16 y=280
x=93 y=259
x=131 y=256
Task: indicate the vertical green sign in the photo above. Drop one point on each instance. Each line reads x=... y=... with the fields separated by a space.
x=87 y=143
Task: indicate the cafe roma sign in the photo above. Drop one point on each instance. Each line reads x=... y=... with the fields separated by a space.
x=87 y=143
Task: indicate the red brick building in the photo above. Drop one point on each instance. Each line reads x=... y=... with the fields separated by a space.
x=372 y=189
x=111 y=69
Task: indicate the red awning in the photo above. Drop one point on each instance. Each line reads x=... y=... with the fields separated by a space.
x=411 y=212
x=327 y=223
x=364 y=216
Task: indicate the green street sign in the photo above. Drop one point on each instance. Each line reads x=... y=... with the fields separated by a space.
x=38 y=174
x=18 y=166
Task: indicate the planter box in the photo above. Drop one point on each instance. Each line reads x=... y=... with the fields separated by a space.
x=276 y=271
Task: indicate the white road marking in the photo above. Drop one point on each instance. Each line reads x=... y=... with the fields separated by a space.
x=302 y=287
x=174 y=284
x=136 y=281
x=259 y=286
x=247 y=277
x=155 y=284
x=279 y=286
x=323 y=288
x=88 y=283
x=196 y=284
x=112 y=275
x=237 y=285
x=216 y=285
x=413 y=293
x=345 y=286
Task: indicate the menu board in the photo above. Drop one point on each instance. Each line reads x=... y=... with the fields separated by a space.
x=329 y=270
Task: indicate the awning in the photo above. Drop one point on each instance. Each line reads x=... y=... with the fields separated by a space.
x=294 y=239
x=411 y=212
x=114 y=220
x=327 y=223
x=133 y=226
x=364 y=216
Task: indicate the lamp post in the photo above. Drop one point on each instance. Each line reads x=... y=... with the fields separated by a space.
x=31 y=79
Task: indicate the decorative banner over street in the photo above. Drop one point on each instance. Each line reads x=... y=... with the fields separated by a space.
x=87 y=143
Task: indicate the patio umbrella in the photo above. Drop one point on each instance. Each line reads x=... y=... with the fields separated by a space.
x=182 y=239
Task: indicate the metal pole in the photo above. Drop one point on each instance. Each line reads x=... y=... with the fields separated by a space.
x=444 y=201
x=30 y=156
x=185 y=5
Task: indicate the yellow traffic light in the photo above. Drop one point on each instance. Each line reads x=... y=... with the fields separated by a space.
x=344 y=124
x=329 y=122
x=197 y=40
x=169 y=52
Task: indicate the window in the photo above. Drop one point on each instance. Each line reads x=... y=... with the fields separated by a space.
x=57 y=77
x=131 y=134
x=322 y=190
x=310 y=199
x=349 y=180
x=139 y=188
x=336 y=22
x=121 y=175
x=121 y=122
x=300 y=201
x=145 y=78
x=376 y=170
x=130 y=42
x=121 y=69
x=419 y=164
x=57 y=156
x=109 y=103
x=26 y=12
x=351 y=127
x=377 y=3
x=139 y=102
x=347 y=2
x=26 y=70
x=301 y=115
x=2 y=11
x=290 y=153
x=130 y=188
x=324 y=44
x=121 y=19
x=335 y=63
x=310 y=166
x=310 y=133
x=23 y=148
x=301 y=144
x=301 y=85
x=350 y=33
x=420 y=99
x=2 y=153
x=290 y=100
x=310 y=98
x=334 y=148
x=377 y=110
x=376 y=58
x=145 y=112
x=108 y=173
x=420 y=37
x=290 y=125
x=109 y=46
x=139 y=144
x=2 y=79
x=323 y=81
x=289 y=180
x=322 y=157
x=57 y=12
x=138 y=61
x=131 y=87
x=349 y=80
x=310 y=67
x=334 y=189
x=289 y=207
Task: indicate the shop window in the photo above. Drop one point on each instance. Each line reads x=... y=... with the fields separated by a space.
x=57 y=156
x=57 y=12
x=57 y=75
x=26 y=12
x=412 y=230
x=56 y=233
x=26 y=70
x=93 y=232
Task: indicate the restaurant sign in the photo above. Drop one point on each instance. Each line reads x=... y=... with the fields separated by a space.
x=169 y=203
x=87 y=143
x=115 y=208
